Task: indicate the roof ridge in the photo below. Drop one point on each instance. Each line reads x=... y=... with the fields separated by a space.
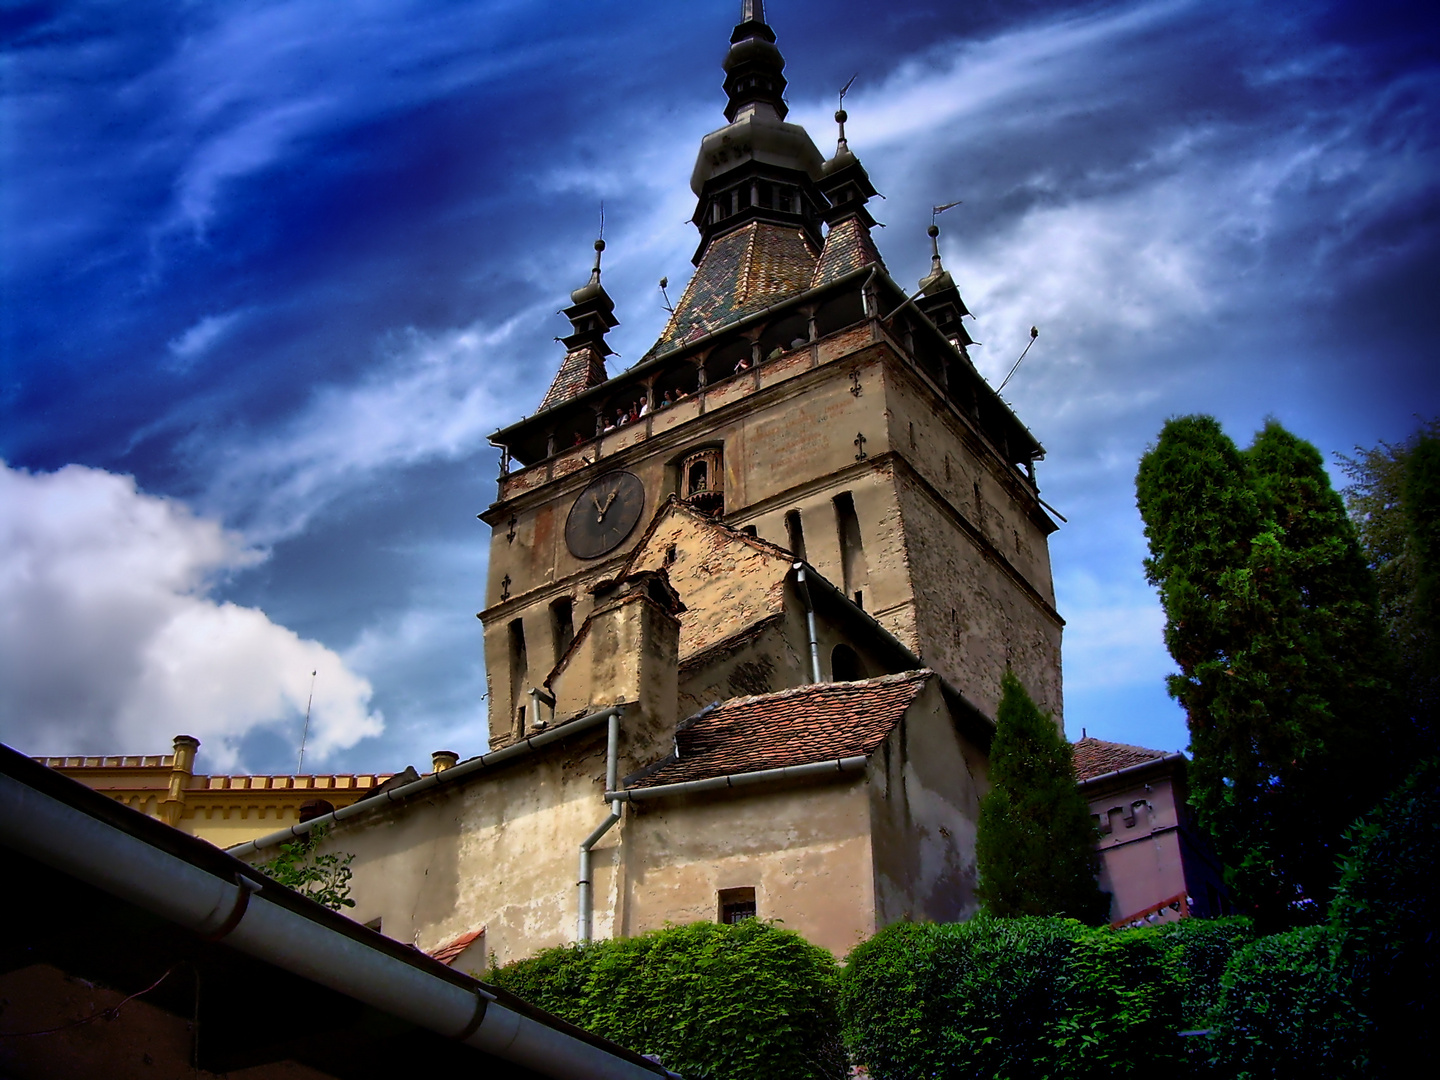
x=822 y=687
x=1122 y=745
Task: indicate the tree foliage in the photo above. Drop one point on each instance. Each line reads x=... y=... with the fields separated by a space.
x=1272 y=619
x=1035 y=845
x=324 y=878
x=748 y=1000
x=1384 y=913
x=1394 y=500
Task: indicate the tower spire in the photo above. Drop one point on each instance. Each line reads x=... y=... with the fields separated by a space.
x=754 y=68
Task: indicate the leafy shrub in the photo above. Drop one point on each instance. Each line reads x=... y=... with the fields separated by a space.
x=1197 y=952
x=710 y=1001
x=1283 y=1012
x=323 y=878
x=1384 y=916
x=1019 y=998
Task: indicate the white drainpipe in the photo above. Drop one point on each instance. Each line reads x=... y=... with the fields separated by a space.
x=809 y=623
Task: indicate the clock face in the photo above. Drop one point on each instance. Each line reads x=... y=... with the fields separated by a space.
x=604 y=515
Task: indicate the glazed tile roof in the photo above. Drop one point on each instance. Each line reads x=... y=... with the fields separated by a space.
x=581 y=369
x=848 y=246
x=740 y=273
x=822 y=722
x=448 y=952
x=1096 y=757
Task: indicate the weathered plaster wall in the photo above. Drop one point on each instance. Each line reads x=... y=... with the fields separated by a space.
x=925 y=789
x=804 y=850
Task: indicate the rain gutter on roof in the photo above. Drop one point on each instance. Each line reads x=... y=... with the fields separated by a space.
x=739 y=780
x=49 y=831
x=523 y=748
x=1130 y=770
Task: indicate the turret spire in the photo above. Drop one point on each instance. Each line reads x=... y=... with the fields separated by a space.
x=591 y=314
x=940 y=298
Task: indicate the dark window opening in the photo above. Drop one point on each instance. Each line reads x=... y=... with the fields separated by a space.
x=728 y=360
x=795 y=534
x=860 y=599
x=702 y=481
x=562 y=623
x=843 y=311
x=845 y=665
x=749 y=530
x=519 y=665
x=699 y=478
x=736 y=905
x=853 y=567
x=670 y=555
x=785 y=334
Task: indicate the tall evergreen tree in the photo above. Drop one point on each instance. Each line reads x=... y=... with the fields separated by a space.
x=1390 y=503
x=1271 y=617
x=1035 y=844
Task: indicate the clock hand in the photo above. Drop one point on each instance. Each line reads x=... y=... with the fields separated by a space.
x=605 y=508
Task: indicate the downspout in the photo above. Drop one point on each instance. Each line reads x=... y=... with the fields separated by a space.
x=584 y=928
x=809 y=625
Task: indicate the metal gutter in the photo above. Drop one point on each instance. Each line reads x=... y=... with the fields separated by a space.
x=48 y=830
x=739 y=780
x=523 y=748
x=1131 y=769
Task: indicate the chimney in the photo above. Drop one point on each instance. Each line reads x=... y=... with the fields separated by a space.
x=181 y=769
x=628 y=651
x=444 y=759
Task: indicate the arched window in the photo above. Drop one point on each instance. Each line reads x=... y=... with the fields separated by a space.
x=702 y=481
x=845 y=664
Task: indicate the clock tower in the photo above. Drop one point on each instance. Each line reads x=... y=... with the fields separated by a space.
x=797 y=393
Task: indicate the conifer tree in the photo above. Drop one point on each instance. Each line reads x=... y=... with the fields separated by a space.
x=1035 y=844
x=1271 y=617
x=1390 y=501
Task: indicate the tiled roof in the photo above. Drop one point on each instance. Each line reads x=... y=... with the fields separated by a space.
x=793 y=727
x=848 y=246
x=448 y=952
x=581 y=369
x=1096 y=757
x=740 y=273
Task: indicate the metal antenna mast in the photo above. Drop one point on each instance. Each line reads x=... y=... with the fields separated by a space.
x=305 y=734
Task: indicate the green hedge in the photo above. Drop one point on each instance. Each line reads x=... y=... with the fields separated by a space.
x=1283 y=1012
x=1031 y=997
x=710 y=1001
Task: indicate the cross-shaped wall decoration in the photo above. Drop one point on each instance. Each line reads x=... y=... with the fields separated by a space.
x=510 y=536
x=860 y=454
x=855 y=387
x=505 y=587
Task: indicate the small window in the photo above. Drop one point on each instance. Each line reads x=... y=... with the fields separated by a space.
x=670 y=555
x=736 y=905
x=845 y=664
x=562 y=624
x=749 y=530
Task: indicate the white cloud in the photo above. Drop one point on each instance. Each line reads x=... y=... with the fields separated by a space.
x=110 y=641
x=198 y=339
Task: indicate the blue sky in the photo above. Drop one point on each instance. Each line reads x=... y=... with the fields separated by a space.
x=272 y=272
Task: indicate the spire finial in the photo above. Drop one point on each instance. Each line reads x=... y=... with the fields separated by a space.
x=752 y=11
x=754 y=68
x=841 y=115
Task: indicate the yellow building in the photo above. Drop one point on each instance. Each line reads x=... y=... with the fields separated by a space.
x=225 y=810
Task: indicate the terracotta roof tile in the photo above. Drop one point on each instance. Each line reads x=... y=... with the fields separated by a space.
x=740 y=273
x=448 y=952
x=793 y=727
x=1096 y=757
x=581 y=369
x=848 y=246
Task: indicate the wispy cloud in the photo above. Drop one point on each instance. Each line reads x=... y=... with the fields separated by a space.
x=197 y=340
